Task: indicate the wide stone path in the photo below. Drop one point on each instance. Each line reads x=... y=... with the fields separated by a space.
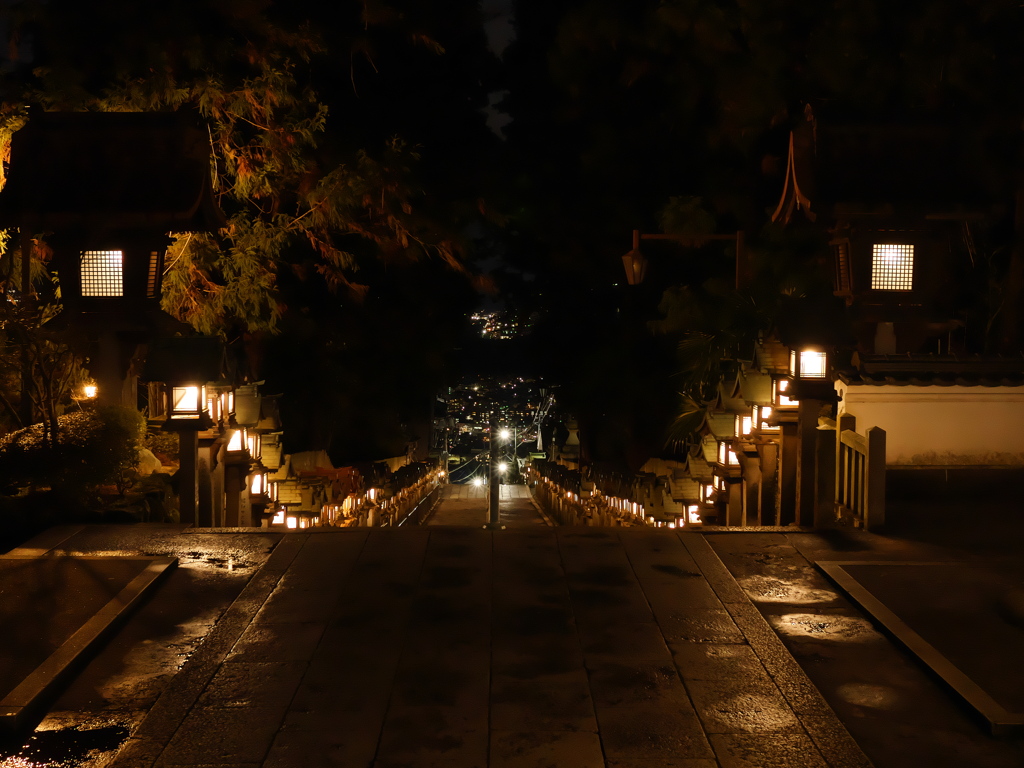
x=462 y=647
x=467 y=505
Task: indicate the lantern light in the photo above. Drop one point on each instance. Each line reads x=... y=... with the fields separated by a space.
x=635 y=264
x=761 y=415
x=89 y=391
x=101 y=274
x=253 y=443
x=187 y=401
x=478 y=481
x=744 y=425
x=810 y=363
x=236 y=443
x=782 y=398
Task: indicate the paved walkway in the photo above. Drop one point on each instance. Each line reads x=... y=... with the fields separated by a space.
x=897 y=711
x=467 y=505
x=467 y=647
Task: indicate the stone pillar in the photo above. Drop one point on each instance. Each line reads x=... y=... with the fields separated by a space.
x=807 y=434
x=188 y=496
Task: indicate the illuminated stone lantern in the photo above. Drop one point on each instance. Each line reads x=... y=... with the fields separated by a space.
x=185 y=365
x=108 y=189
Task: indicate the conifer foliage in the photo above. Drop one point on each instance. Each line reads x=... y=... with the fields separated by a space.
x=292 y=191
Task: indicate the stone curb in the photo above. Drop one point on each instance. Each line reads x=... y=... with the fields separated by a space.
x=157 y=729
x=24 y=702
x=827 y=732
x=45 y=542
x=1001 y=721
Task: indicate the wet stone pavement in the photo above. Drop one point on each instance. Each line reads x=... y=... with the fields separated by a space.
x=467 y=505
x=109 y=697
x=466 y=647
x=898 y=713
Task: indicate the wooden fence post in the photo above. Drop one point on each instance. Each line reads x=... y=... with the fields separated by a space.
x=874 y=516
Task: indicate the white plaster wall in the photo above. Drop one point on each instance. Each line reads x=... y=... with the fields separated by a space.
x=941 y=426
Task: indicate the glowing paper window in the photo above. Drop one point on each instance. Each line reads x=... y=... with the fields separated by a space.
x=727 y=456
x=782 y=399
x=812 y=364
x=237 y=440
x=892 y=267
x=761 y=415
x=743 y=425
x=692 y=515
x=186 y=402
x=706 y=493
x=101 y=273
x=252 y=442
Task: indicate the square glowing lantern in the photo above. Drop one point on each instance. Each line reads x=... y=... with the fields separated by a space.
x=237 y=441
x=707 y=493
x=727 y=456
x=761 y=415
x=808 y=363
x=892 y=267
x=187 y=401
x=743 y=426
x=781 y=392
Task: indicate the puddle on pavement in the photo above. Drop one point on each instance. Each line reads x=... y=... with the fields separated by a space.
x=765 y=589
x=865 y=695
x=71 y=747
x=824 y=627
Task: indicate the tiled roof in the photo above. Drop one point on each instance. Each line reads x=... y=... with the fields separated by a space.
x=936 y=370
x=756 y=387
x=111 y=169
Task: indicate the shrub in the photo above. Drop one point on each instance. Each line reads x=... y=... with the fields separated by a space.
x=94 y=447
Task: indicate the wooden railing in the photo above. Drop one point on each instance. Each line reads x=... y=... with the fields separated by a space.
x=858 y=497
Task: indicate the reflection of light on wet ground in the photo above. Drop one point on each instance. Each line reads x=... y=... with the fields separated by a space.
x=191 y=558
x=864 y=695
x=67 y=747
x=824 y=626
x=765 y=589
